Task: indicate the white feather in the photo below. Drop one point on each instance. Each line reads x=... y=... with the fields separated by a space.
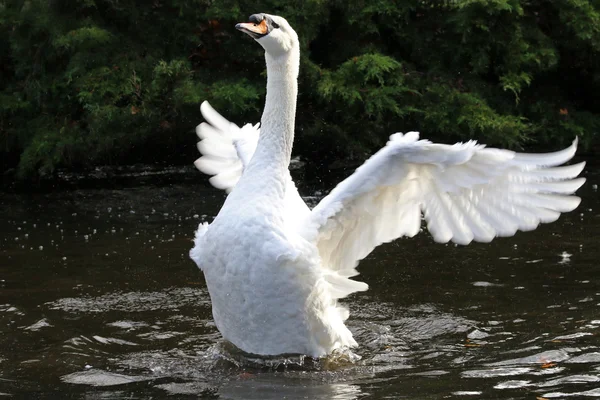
x=226 y=149
x=466 y=193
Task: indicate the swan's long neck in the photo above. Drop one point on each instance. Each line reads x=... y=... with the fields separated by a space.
x=269 y=165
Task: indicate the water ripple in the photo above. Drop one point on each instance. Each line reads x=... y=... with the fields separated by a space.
x=101 y=378
x=166 y=300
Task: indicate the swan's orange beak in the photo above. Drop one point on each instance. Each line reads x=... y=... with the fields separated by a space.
x=257 y=28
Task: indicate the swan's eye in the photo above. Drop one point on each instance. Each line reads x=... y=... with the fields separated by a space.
x=275 y=25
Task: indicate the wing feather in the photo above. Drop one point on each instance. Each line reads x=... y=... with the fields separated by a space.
x=466 y=192
x=211 y=165
x=547 y=159
x=537 y=175
x=226 y=148
x=211 y=147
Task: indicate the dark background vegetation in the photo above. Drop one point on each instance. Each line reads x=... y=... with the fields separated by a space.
x=96 y=82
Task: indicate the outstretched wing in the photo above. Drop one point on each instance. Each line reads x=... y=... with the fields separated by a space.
x=225 y=147
x=465 y=191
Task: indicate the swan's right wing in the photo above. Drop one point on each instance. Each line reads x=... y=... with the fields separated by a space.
x=225 y=147
x=465 y=191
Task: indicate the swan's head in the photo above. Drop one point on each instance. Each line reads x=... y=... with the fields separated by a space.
x=271 y=32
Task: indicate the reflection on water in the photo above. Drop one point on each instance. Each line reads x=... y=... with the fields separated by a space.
x=99 y=300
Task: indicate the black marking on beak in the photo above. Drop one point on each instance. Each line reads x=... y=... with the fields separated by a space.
x=256 y=18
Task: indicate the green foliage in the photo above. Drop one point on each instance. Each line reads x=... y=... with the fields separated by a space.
x=463 y=114
x=88 y=82
x=82 y=39
x=238 y=96
x=374 y=81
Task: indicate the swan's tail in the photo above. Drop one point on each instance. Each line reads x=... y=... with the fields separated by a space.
x=195 y=252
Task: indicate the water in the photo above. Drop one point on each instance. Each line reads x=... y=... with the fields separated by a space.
x=98 y=300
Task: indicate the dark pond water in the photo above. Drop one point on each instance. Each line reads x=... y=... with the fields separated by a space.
x=98 y=300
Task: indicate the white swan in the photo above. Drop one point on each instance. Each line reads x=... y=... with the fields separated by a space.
x=275 y=270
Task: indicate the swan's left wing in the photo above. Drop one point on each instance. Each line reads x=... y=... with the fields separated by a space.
x=226 y=148
x=465 y=191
